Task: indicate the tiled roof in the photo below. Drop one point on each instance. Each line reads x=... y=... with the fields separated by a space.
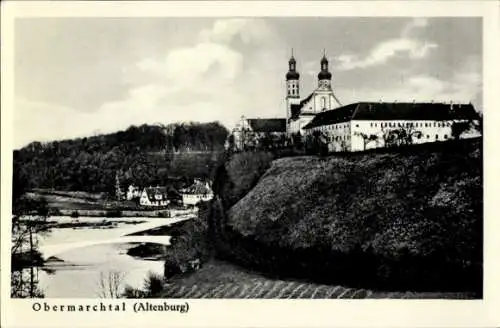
x=414 y=111
x=333 y=116
x=267 y=124
x=197 y=188
x=164 y=192
x=156 y=193
x=395 y=111
x=295 y=108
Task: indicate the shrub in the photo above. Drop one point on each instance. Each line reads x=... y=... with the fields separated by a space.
x=131 y=292
x=75 y=214
x=153 y=285
x=113 y=213
x=240 y=174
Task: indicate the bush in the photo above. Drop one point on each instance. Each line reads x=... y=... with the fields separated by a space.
x=164 y=214
x=240 y=174
x=113 y=214
x=189 y=244
x=75 y=214
x=153 y=285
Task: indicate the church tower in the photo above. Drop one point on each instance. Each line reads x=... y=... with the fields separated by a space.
x=324 y=76
x=292 y=86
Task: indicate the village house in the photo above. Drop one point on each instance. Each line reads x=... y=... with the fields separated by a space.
x=354 y=127
x=154 y=196
x=197 y=192
x=133 y=192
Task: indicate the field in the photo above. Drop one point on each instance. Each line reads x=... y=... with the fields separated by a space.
x=218 y=279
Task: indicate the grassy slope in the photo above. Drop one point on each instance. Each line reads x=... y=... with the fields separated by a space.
x=423 y=204
x=217 y=279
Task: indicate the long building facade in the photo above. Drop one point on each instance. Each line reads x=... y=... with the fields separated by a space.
x=367 y=125
x=354 y=127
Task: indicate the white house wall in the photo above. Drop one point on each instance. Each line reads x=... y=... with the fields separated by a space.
x=347 y=136
x=193 y=199
x=314 y=105
x=338 y=136
x=297 y=125
x=432 y=131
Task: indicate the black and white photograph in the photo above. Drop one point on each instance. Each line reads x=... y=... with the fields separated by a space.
x=267 y=157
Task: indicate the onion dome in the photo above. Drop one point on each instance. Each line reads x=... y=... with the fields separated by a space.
x=324 y=74
x=292 y=73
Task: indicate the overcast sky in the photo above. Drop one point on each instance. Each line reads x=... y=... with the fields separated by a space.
x=80 y=76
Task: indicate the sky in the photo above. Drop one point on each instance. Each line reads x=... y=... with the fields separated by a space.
x=76 y=77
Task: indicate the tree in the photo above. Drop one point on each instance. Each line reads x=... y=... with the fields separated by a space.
x=110 y=285
x=479 y=124
x=367 y=138
x=401 y=136
x=297 y=140
x=28 y=222
x=265 y=141
x=460 y=127
x=317 y=143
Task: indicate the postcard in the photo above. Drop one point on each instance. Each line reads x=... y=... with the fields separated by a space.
x=249 y=164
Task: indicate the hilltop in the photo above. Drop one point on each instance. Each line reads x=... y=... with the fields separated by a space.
x=403 y=219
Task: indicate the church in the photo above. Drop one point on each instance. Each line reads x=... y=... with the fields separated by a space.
x=354 y=127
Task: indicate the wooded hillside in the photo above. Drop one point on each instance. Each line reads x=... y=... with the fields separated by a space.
x=144 y=155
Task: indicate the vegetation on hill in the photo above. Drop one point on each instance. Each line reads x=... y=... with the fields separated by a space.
x=408 y=218
x=144 y=155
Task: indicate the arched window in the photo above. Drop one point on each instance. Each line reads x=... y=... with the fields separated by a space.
x=323 y=102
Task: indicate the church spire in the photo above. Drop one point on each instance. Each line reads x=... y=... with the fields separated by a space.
x=292 y=69
x=324 y=74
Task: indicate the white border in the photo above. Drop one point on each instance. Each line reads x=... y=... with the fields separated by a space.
x=253 y=313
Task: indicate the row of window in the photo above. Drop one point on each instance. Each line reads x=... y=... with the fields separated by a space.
x=410 y=124
x=333 y=127
x=332 y=138
x=391 y=125
x=437 y=137
x=338 y=138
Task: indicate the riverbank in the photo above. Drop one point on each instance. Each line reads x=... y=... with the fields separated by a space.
x=148 y=251
x=97 y=251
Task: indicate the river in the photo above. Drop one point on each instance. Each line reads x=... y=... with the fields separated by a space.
x=80 y=272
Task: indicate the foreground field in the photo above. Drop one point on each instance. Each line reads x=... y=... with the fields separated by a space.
x=222 y=280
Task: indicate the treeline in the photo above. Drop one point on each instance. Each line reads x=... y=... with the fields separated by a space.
x=144 y=155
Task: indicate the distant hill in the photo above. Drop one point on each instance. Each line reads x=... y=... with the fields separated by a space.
x=143 y=155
